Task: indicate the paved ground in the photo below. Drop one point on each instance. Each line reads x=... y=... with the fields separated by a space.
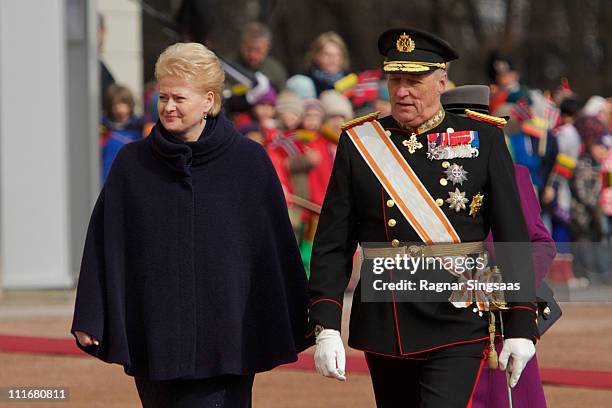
x=581 y=339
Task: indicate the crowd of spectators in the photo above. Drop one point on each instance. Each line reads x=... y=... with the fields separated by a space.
x=561 y=137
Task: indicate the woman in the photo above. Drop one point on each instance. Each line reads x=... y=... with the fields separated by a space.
x=327 y=61
x=491 y=390
x=191 y=278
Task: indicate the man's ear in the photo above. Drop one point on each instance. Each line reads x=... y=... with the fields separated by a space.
x=442 y=80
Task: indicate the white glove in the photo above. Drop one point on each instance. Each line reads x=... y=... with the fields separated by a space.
x=514 y=356
x=329 y=356
x=260 y=89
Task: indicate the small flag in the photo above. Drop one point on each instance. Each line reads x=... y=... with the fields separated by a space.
x=521 y=111
x=536 y=126
x=346 y=84
x=366 y=88
x=564 y=166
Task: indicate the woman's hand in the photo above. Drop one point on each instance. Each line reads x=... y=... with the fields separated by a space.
x=85 y=339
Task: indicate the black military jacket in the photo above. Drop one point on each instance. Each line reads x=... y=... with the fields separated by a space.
x=357 y=209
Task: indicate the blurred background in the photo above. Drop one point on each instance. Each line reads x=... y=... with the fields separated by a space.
x=77 y=83
x=58 y=55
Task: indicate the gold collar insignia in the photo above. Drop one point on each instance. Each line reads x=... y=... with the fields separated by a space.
x=430 y=123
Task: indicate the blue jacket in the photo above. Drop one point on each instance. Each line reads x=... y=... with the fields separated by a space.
x=115 y=137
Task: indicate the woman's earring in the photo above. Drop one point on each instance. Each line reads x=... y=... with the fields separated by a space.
x=205 y=115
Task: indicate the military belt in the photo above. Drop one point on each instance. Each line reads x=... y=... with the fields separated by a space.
x=414 y=251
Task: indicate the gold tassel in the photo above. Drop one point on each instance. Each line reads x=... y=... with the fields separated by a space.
x=492 y=357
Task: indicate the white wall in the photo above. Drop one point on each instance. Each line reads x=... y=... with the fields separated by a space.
x=34 y=231
x=83 y=113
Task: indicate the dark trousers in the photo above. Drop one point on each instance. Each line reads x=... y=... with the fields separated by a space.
x=443 y=378
x=227 y=391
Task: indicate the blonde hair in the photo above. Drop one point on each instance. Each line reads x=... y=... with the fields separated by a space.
x=196 y=64
x=318 y=44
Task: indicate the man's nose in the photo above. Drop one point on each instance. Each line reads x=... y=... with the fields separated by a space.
x=403 y=91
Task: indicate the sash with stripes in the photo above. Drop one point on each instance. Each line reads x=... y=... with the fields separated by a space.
x=402 y=183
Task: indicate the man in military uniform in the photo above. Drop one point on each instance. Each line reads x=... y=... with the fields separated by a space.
x=420 y=175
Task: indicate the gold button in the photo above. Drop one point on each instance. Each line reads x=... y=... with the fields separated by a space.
x=388 y=133
x=450 y=130
x=391 y=222
x=395 y=243
x=443 y=181
x=439 y=202
x=390 y=203
x=445 y=164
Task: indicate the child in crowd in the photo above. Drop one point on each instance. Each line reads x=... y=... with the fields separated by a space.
x=587 y=228
x=289 y=111
x=318 y=149
x=263 y=113
x=338 y=110
x=557 y=193
x=313 y=115
x=317 y=159
x=119 y=125
x=302 y=86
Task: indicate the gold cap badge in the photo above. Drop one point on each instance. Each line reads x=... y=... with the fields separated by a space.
x=404 y=43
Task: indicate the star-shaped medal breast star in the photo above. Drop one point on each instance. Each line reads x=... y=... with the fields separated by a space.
x=412 y=144
x=456 y=200
x=456 y=174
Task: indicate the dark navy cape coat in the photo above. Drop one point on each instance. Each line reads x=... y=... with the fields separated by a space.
x=190 y=267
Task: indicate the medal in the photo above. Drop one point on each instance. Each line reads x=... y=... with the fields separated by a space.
x=412 y=144
x=456 y=200
x=456 y=174
x=476 y=204
x=452 y=145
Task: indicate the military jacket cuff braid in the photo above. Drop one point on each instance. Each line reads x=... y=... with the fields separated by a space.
x=521 y=322
x=328 y=314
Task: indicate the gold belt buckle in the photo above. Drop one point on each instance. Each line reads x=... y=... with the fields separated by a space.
x=415 y=251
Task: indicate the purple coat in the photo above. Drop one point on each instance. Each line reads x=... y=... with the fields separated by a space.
x=491 y=390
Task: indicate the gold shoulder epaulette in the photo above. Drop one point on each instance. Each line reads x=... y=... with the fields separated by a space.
x=494 y=120
x=362 y=119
